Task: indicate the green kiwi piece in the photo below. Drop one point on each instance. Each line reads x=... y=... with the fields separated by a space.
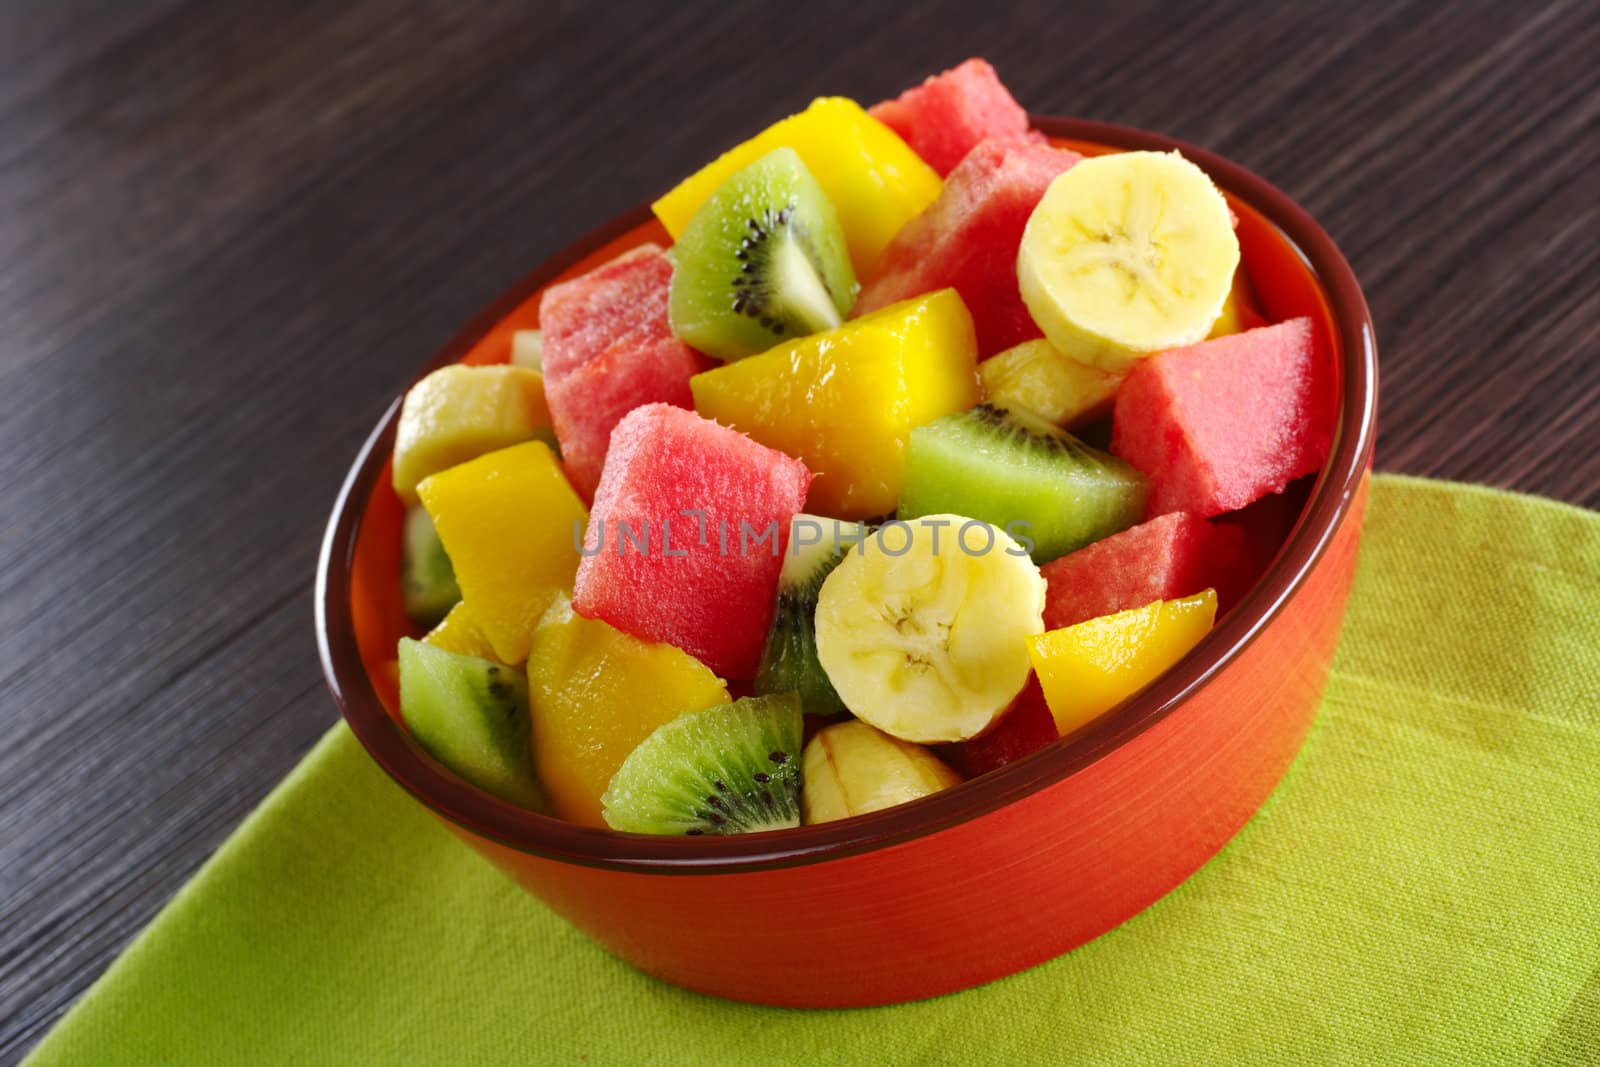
x=1011 y=469
x=729 y=769
x=472 y=716
x=789 y=658
x=764 y=259
x=428 y=588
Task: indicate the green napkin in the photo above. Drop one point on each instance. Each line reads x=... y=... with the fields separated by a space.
x=1424 y=887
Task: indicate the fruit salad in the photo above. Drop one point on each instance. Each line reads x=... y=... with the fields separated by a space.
x=926 y=443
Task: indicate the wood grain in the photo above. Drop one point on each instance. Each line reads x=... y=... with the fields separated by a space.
x=229 y=231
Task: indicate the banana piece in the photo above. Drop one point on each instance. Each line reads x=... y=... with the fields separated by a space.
x=1036 y=378
x=527 y=349
x=1127 y=254
x=851 y=768
x=923 y=628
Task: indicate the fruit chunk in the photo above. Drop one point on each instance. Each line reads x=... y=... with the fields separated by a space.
x=762 y=260
x=686 y=540
x=1025 y=729
x=921 y=629
x=527 y=350
x=1173 y=555
x=458 y=413
x=1034 y=377
x=731 y=769
x=607 y=348
x=851 y=769
x=1128 y=254
x=1266 y=525
x=1041 y=484
x=428 y=588
x=876 y=182
x=846 y=401
x=1222 y=423
x=458 y=633
x=508 y=521
x=947 y=114
x=968 y=239
x=596 y=693
x=1239 y=312
x=472 y=716
x=789 y=658
x=1088 y=669
x=583 y=316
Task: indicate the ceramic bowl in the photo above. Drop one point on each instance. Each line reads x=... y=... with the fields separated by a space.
x=982 y=880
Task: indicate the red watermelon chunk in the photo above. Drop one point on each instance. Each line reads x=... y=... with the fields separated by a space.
x=583 y=315
x=1266 y=524
x=1026 y=728
x=967 y=239
x=646 y=568
x=945 y=116
x=587 y=403
x=1173 y=555
x=1222 y=423
x=608 y=349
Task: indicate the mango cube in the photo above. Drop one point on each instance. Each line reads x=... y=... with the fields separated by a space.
x=511 y=524
x=845 y=401
x=458 y=413
x=1239 y=310
x=876 y=182
x=1088 y=669
x=458 y=633
x=595 y=693
x=1034 y=376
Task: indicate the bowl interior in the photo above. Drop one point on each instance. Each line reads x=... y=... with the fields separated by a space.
x=1292 y=267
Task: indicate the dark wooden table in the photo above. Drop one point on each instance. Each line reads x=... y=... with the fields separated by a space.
x=230 y=231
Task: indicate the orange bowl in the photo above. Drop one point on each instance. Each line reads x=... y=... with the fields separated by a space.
x=982 y=880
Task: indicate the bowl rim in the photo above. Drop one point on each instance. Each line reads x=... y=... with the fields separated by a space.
x=1331 y=499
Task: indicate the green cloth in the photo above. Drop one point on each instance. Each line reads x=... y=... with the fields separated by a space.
x=1424 y=887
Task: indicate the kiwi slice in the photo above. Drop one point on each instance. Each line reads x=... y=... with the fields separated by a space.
x=1048 y=489
x=789 y=658
x=763 y=259
x=472 y=716
x=428 y=588
x=729 y=769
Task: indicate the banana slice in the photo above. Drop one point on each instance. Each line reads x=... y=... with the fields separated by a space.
x=851 y=768
x=922 y=628
x=1127 y=254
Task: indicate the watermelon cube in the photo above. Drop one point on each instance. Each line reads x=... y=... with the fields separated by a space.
x=644 y=367
x=687 y=535
x=1174 y=555
x=1266 y=524
x=967 y=239
x=1026 y=728
x=945 y=116
x=585 y=314
x=1222 y=423
x=607 y=350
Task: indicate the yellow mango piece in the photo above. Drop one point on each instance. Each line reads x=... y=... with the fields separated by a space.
x=845 y=401
x=1238 y=310
x=458 y=633
x=459 y=413
x=595 y=693
x=1088 y=669
x=876 y=182
x=507 y=521
x=1035 y=376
